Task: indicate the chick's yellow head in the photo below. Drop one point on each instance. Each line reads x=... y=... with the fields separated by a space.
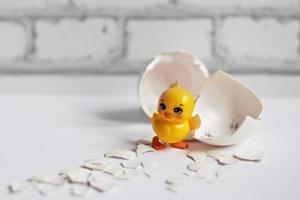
x=176 y=104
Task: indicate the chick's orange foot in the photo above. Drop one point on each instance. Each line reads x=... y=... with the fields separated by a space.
x=156 y=144
x=180 y=145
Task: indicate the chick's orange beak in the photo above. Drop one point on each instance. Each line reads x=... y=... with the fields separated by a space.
x=168 y=115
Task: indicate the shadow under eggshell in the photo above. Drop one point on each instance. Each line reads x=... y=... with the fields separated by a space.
x=164 y=70
x=229 y=110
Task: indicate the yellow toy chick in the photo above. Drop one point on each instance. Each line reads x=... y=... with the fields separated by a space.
x=173 y=120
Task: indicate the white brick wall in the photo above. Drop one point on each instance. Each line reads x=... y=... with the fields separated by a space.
x=115 y=36
x=12 y=41
x=17 y=4
x=149 y=38
x=243 y=3
x=118 y=3
x=250 y=39
x=73 y=39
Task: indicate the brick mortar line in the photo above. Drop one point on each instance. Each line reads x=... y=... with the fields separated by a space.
x=152 y=13
x=30 y=39
x=124 y=38
x=215 y=38
x=299 y=39
x=134 y=67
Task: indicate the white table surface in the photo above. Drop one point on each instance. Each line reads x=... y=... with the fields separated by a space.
x=49 y=123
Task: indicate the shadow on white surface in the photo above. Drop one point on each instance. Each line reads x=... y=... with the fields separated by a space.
x=127 y=115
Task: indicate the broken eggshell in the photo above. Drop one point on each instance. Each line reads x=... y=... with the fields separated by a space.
x=229 y=111
x=164 y=70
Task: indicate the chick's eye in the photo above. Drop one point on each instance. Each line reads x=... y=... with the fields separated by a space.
x=177 y=110
x=162 y=106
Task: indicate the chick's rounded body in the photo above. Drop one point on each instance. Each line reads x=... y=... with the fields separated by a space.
x=170 y=132
x=173 y=120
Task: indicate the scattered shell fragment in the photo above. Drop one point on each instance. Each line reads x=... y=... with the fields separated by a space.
x=46 y=189
x=126 y=177
x=214 y=154
x=21 y=186
x=201 y=166
x=131 y=164
x=151 y=174
x=175 y=180
x=79 y=189
x=189 y=173
x=205 y=174
x=195 y=166
x=142 y=148
x=102 y=186
x=114 y=171
x=79 y=175
x=98 y=176
x=250 y=155
x=121 y=154
x=226 y=160
x=100 y=181
x=148 y=163
x=197 y=156
x=54 y=180
x=93 y=166
x=98 y=161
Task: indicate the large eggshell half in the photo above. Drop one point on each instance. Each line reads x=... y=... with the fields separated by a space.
x=165 y=69
x=229 y=111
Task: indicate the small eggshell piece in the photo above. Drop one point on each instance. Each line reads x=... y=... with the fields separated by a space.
x=250 y=155
x=121 y=154
x=21 y=186
x=142 y=148
x=131 y=164
x=79 y=189
x=197 y=156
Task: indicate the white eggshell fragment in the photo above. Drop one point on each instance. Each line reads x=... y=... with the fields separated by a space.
x=102 y=186
x=79 y=189
x=121 y=154
x=214 y=154
x=54 y=180
x=98 y=161
x=226 y=160
x=46 y=189
x=164 y=70
x=129 y=175
x=78 y=175
x=114 y=171
x=197 y=156
x=21 y=186
x=175 y=180
x=92 y=166
x=189 y=173
x=229 y=110
x=250 y=155
x=152 y=174
x=142 y=148
x=99 y=176
x=207 y=165
x=131 y=164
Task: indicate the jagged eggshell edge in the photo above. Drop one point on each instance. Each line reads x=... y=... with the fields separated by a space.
x=165 y=69
x=229 y=111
